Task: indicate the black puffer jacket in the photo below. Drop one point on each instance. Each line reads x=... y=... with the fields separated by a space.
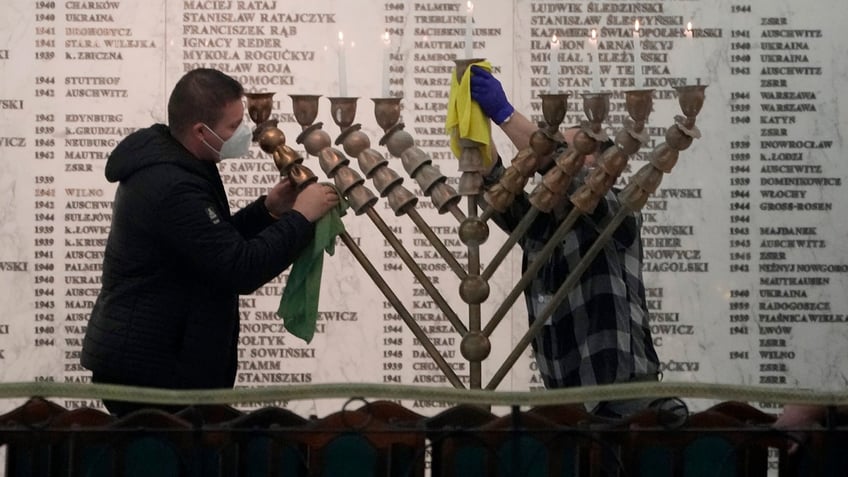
x=175 y=262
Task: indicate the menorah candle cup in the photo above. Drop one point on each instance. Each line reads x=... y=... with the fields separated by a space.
x=462 y=65
x=387 y=112
x=343 y=111
x=305 y=108
x=554 y=107
x=596 y=107
x=639 y=103
x=691 y=99
x=259 y=106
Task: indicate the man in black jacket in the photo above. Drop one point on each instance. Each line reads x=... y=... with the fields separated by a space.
x=176 y=260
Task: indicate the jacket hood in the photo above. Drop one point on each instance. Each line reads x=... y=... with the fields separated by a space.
x=146 y=148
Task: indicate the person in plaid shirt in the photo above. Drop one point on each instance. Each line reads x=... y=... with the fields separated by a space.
x=600 y=333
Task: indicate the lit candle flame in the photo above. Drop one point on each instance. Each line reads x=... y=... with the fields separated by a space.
x=470 y=7
x=341 y=38
x=689 y=27
x=386 y=38
x=554 y=40
x=594 y=34
x=636 y=27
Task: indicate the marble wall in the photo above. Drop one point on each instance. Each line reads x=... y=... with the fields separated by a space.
x=745 y=256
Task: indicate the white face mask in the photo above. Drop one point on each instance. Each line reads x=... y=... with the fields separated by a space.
x=236 y=146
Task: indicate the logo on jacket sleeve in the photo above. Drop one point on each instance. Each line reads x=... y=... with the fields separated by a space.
x=213 y=216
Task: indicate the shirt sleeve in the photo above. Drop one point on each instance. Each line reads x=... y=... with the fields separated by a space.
x=253 y=218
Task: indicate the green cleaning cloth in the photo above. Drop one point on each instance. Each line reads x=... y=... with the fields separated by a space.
x=299 y=303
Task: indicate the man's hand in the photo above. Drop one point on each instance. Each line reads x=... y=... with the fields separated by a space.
x=281 y=197
x=316 y=200
x=487 y=91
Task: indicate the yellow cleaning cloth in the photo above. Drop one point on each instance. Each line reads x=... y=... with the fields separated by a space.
x=465 y=119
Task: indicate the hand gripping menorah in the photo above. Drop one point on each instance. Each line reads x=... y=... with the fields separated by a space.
x=473 y=230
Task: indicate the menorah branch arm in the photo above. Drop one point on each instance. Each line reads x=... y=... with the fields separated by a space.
x=437 y=243
x=457 y=213
x=519 y=231
x=532 y=270
x=407 y=318
x=473 y=246
x=419 y=274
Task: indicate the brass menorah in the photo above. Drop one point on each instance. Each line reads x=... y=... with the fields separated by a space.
x=473 y=230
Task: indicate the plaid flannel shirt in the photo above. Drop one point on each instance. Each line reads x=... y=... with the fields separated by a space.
x=599 y=334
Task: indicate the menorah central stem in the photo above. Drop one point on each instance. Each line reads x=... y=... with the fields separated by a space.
x=474 y=309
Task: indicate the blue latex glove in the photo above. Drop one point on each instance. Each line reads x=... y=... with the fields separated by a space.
x=487 y=91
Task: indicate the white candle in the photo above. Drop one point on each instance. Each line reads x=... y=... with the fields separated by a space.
x=342 y=67
x=387 y=47
x=553 y=65
x=596 y=63
x=637 y=56
x=691 y=78
x=469 y=20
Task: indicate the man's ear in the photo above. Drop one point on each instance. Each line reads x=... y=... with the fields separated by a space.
x=198 y=134
x=197 y=130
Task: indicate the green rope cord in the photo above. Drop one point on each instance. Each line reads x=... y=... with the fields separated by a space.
x=722 y=392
